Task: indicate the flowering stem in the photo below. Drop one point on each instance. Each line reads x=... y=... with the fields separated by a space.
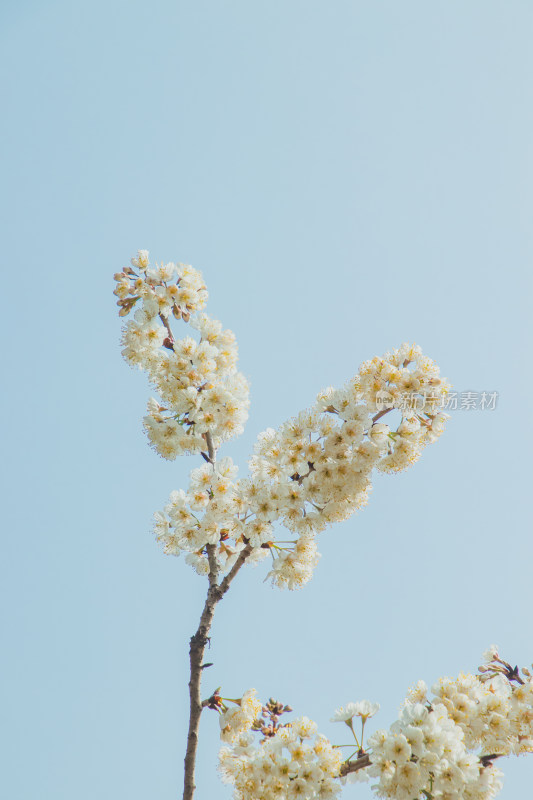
x=350 y=725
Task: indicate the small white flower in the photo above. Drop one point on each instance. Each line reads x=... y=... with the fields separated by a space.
x=417 y=693
x=490 y=654
x=363 y=709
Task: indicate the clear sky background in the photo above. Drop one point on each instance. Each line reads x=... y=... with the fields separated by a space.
x=348 y=176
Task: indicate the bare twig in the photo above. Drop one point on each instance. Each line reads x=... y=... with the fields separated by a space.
x=198 y=643
x=353 y=766
x=165 y=322
x=215 y=593
x=196 y=657
x=225 y=584
x=210 y=447
x=381 y=414
x=210 y=456
x=486 y=761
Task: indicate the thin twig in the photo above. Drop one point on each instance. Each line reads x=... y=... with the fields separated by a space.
x=196 y=655
x=198 y=643
x=210 y=447
x=353 y=766
x=165 y=322
x=215 y=593
x=225 y=584
x=381 y=414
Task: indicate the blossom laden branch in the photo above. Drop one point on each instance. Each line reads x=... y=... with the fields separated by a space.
x=441 y=747
x=200 y=388
x=313 y=471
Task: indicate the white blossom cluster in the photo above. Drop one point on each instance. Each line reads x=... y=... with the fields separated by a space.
x=239 y=719
x=445 y=747
x=197 y=380
x=214 y=510
x=438 y=749
x=424 y=755
x=494 y=709
x=313 y=471
x=294 y=762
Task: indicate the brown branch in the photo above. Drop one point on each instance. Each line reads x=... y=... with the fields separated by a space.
x=486 y=761
x=225 y=584
x=381 y=414
x=210 y=447
x=213 y=566
x=165 y=322
x=364 y=761
x=210 y=456
x=196 y=656
x=353 y=766
x=215 y=593
x=198 y=643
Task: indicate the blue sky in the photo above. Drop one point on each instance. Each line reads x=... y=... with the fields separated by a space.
x=348 y=176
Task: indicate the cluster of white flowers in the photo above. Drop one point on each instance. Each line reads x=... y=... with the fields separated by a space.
x=291 y=762
x=313 y=471
x=438 y=749
x=214 y=510
x=445 y=747
x=239 y=719
x=494 y=709
x=200 y=388
x=424 y=754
